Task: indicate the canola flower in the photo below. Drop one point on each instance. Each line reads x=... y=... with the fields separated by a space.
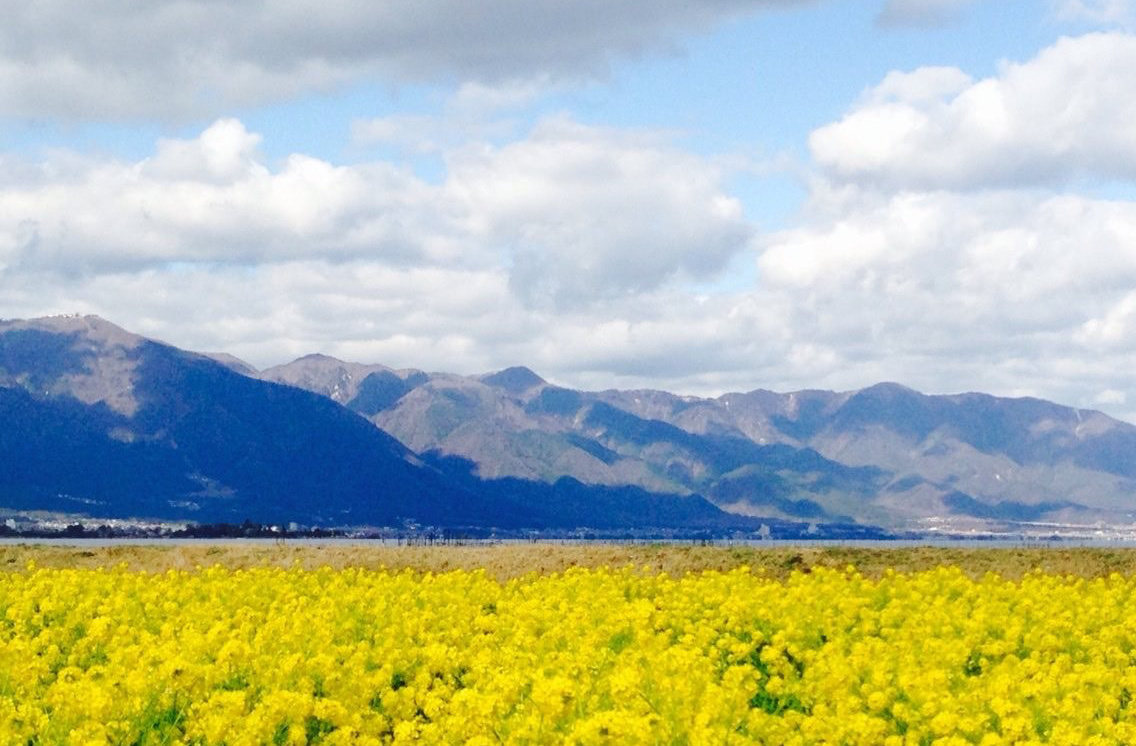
x=610 y=656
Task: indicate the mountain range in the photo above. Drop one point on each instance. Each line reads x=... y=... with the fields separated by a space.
x=885 y=455
x=108 y=423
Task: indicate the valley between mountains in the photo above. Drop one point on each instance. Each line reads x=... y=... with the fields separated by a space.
x=106 y=423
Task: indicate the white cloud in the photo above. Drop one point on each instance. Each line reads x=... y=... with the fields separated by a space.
x=224 y=152
x=572 y=213
x=997 y=291
x=587 y=213
x=105 y=59
x=926 y=86
x=211 y=199
x=1113 y=329
x=270 y=313
x=945 y=244
x=1111 y=397
x=1065 y=114
x=563 y=250
x=957 y=267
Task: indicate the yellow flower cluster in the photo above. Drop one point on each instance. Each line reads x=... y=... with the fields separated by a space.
x=625 y=656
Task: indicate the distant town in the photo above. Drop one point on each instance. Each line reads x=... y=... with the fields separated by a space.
x=72 y=527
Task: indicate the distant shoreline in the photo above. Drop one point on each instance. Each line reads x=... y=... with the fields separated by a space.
x=505 y=561
x=378 y=542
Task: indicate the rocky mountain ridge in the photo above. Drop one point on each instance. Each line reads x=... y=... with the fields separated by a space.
x=885 y=454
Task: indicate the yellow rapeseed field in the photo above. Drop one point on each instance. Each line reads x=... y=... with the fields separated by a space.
x=622 y=655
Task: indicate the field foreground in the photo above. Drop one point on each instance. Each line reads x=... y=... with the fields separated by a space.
x=532 y=644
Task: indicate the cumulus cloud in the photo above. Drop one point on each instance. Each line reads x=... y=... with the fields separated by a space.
x=1065 y=114
x=210 y=199
x=110 y=59
x=1009 y=292
x=1114 y=328
x=586 y=213
x=571 y=213
x=944 y=242
x=963 y=264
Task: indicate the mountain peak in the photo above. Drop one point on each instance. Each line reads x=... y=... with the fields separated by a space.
x=84 y=357
x=889 y=387
x=93 y=328
x=318 y=357
x=515 y=380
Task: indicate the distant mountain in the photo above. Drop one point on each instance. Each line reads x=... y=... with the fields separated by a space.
x=103 y=422
x=886 y=454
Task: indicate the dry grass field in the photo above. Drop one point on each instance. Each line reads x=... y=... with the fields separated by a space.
x=513 y=560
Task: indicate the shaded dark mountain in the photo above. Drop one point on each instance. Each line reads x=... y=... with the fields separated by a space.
x=762 y=488
x=61 y=455
x=568 y=503
x=592 y=448
x=957 y=502
x=1113 y=452
x=36 y=359
x=556 y=401
x=284 y=451
x=381 y=390
x=810 y=415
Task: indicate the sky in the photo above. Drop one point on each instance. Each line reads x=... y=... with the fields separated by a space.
x=701 y=196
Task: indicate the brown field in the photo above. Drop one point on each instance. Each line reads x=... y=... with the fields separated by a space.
x=513 y=560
